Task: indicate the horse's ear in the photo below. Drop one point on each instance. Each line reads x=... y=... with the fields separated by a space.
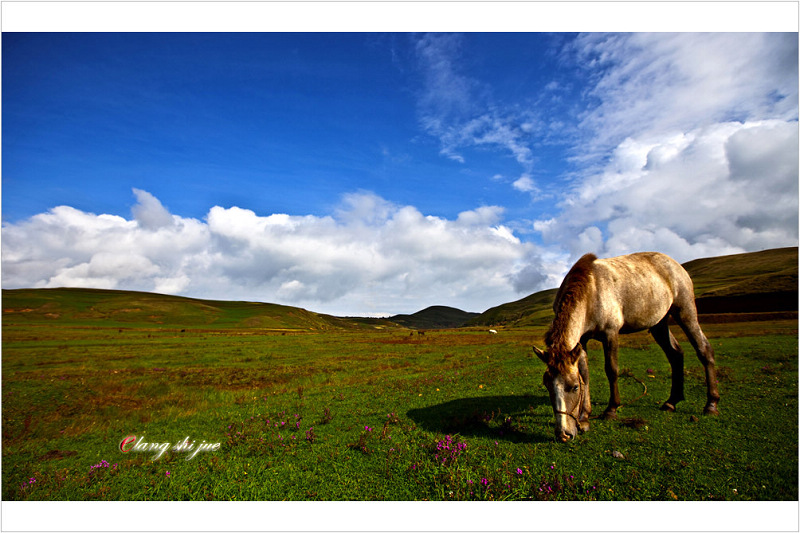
x=542 y=355
x=575 y=354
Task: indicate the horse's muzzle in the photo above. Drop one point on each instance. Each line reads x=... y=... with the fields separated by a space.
x=564 y=436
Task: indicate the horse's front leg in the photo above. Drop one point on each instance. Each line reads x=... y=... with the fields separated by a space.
x=610 y=346
x=583 y=369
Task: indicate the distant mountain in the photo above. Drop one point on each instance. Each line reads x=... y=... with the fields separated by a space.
x=756 y=282
x=435 y=317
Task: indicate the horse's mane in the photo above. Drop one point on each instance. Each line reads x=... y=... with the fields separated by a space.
x=573 y=290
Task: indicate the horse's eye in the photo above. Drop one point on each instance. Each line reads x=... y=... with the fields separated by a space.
x=575 y=388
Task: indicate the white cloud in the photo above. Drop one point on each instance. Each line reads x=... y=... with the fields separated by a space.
x=720 y=189
x=149 y=212
x=525 y=184
x=648 y=84
x=371 y=257
x=690 y=146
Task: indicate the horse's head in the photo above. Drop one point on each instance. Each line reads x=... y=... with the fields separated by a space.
x=568 y=392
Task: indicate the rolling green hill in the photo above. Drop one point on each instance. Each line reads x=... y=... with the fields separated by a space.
x=741 y=274
x=754 y=282
x=535 y=309
x=95 y=307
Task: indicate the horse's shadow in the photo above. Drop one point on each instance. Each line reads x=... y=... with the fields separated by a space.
x=511 y=418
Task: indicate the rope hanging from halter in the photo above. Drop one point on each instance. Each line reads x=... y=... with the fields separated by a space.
x=578 y=405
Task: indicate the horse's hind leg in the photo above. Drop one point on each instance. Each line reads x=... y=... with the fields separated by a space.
x=667 y=342
x=687 y=319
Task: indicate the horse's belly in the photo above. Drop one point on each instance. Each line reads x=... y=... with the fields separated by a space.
x=633 y=328
x=637 y=310
x=644 y=313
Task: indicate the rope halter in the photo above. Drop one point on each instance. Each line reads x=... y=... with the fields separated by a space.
x=578 y=405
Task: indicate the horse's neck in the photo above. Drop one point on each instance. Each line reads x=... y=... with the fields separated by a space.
x=576 y=326
x=567 y=331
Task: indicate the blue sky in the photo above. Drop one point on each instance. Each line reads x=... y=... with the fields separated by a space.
x=379 y=173
x=269 y=122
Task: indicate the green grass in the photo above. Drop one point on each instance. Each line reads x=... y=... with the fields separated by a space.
x=379 y=404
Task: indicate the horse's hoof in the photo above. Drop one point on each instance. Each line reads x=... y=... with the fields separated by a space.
x=609 y=415
x=711 y=410
x=668 y=407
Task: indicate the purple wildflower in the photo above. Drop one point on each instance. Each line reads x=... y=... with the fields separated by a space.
x=447 y=450
x=101 y=464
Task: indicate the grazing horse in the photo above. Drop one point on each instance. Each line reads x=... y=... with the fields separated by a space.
x=601 y=298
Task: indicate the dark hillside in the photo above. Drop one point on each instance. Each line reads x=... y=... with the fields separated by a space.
x=435 y=317
x=743 y=284
x=758 y=282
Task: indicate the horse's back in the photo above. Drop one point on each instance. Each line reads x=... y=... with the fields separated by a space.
x=639 y=289
x=645 y=267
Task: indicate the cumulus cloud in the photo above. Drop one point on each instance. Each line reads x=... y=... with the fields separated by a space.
x=540 y=270
x=686 y=143
x=690 y=146
x=646 y=84
x=370 y=256
x=69 y=247
x=149 y=212
x=726 y=188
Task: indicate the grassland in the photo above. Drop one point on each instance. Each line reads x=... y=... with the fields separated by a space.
x=312 y=407
x=377 y=415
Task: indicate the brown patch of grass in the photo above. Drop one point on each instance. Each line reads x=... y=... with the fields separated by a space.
x=57 y=454
x=634 y=422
